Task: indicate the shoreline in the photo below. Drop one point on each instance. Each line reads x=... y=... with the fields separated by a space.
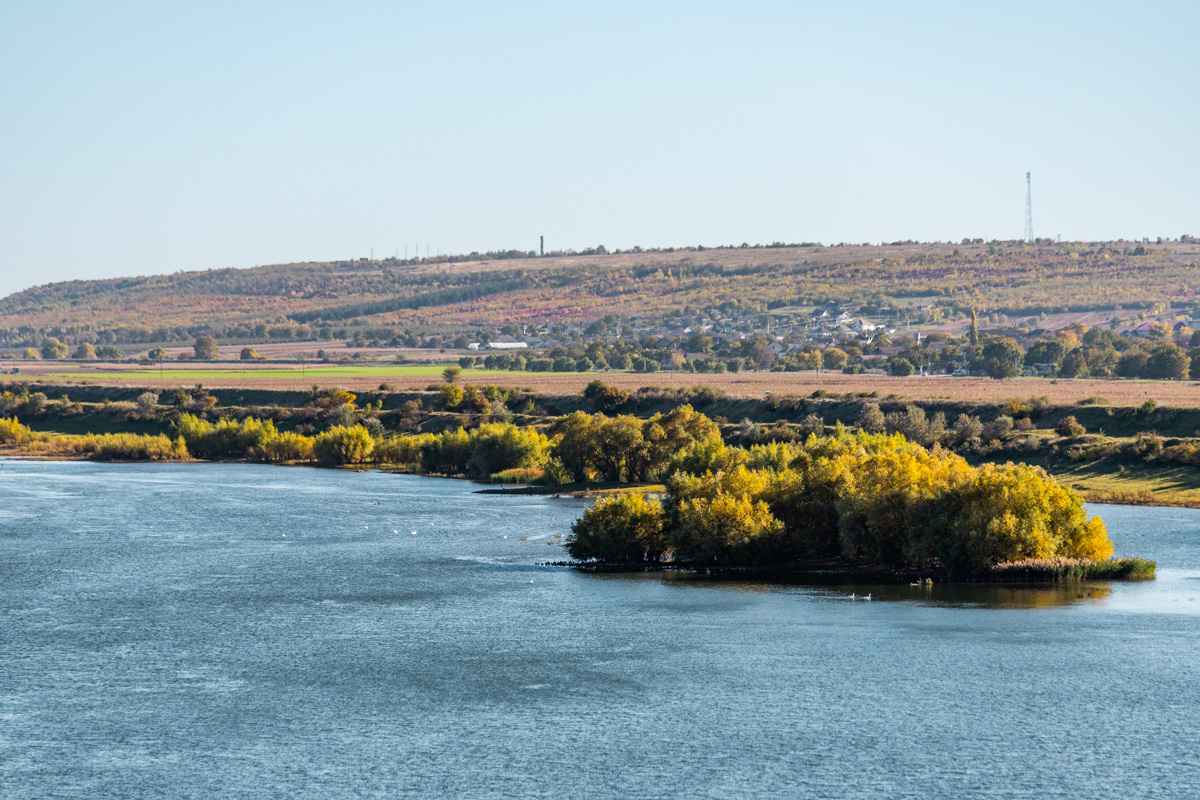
x=838 y=572
x=1098 y=497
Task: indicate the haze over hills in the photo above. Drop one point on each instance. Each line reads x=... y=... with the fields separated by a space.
x=918 y=282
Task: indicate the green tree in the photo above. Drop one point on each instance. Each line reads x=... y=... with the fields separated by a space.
x=1168 y=362
x=1000 y=358
x=157 y=354
x=249 y=354
x=618 y=441
x=973 y=331
x=575 y=444
x=1047 y=351
x=450 y=374
x=1074 y=365
x=900 y=367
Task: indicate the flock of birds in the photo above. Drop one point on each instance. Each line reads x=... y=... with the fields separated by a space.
x=414 y=533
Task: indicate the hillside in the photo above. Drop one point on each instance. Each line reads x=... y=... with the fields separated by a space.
x=925 y=282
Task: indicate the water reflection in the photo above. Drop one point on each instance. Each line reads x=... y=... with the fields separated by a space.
x=960 y=595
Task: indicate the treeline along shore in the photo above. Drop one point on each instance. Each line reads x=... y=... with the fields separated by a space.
x=862 y=479
x=1143 y=454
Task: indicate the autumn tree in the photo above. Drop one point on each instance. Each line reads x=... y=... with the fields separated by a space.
x=54 y=350
x=205 y=348
x=626 y=529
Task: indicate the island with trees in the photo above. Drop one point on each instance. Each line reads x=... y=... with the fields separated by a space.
x=861 y=503
x=889 y=497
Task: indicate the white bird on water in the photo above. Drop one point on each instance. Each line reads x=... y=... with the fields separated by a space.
x=414 y=533
x=852 y=595
x=868 y=595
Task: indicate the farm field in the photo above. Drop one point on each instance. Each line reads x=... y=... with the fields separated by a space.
x=1180 y=394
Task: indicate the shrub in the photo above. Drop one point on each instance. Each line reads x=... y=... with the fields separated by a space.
x=605 y=398
x=1069 y=427
x=286 y=446
x=131 y=447
x=147 y=402
x=872 y=419
x=342 y=445
x=450 y=396
x=401 y=449
x=967 y=430
x=998 y=428
x=13 y=432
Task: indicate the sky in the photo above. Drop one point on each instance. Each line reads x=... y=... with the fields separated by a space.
x=144 y=138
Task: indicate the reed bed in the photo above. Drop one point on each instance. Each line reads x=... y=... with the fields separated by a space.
x=1072 y=569
x=528 y=475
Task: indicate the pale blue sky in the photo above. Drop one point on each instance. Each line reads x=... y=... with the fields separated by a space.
x=152 y=137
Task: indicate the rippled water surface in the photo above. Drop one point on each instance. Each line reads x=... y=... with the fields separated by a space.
x=206 y=630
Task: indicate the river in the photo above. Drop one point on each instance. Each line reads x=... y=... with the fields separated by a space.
x=232 y=630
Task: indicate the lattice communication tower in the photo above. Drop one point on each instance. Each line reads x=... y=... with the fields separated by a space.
x=1028 y=209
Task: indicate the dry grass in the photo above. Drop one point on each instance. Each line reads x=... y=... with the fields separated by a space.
x=745 y=384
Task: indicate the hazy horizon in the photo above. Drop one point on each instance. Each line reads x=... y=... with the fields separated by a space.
x=148 y=140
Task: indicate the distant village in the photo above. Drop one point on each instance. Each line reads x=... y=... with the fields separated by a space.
x=844 y=338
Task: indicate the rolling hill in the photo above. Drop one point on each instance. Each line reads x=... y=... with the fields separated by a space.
x=310 y=300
